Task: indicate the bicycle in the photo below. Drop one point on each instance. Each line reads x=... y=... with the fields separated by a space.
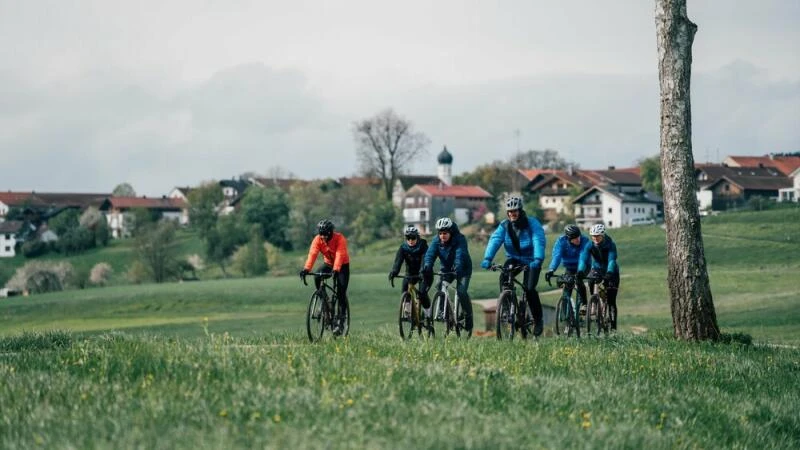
x=568 y=308
x=321 y=313
x=597 y=309
x=512 y=313
x=410 y=317
x=448 y=309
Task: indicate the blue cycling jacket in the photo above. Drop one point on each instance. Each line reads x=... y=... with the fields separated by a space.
x=452 y=256
x=604 y=256
x=531 y=242
x=574 y=257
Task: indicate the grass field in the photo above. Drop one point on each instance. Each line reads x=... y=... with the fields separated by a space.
x=225 y=363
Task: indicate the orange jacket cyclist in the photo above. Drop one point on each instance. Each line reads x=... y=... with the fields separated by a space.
x=333 y=247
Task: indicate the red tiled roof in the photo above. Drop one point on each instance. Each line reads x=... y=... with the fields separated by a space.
x=786 y=164
x=458 y=191
x=530 y=174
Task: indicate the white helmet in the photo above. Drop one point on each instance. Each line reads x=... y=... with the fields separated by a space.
x=598 y=230
x=444 y=224
x=513 y=203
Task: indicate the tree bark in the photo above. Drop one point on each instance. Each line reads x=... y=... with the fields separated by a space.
x=693 y=315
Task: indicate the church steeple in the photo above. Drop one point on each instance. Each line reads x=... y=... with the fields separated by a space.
x=445 y=169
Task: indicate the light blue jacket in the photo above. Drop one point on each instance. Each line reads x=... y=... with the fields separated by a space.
x=531 y=243
x=574 y=257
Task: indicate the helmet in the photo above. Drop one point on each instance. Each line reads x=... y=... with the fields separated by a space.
x=411 y=232
x=513 y=203
x=598 y=230
x=444 y=224
x=572 y=231
x=324 y=227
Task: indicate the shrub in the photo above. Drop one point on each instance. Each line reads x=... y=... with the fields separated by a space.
x=34 y=248
x=100 y=274
x=41 y=276
x=137 y=273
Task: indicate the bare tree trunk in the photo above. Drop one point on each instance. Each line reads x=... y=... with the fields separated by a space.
x=693 y=315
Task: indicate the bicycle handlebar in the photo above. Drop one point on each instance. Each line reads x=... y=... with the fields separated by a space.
x=322 y=275
x=410 y=278
x=564 y=278
x=504 y=269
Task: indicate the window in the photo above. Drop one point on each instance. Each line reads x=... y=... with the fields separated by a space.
x=8 y=249
x=610 y=224
x=610 y=210
x=626 y=211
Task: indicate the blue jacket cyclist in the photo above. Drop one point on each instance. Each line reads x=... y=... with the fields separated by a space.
x=450 y=247
x=603 y=253
x=571 y=249
x=522 y=238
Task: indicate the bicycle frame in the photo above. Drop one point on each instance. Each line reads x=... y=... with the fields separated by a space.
x=449 y=311
x=514 y=313
x=568 y=308
x=598 y=307
x=413 y=316
x=322 y=309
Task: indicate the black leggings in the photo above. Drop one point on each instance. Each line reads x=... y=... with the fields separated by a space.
x=529 y=281
x=342 y=280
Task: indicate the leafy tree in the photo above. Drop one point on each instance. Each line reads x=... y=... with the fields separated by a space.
x=308 y=205
x=123 y=190
x=156 y=249
x=650 y=170
x=223 y=240
x=496 y=177
x=376 y=221
x=251 y=259
x=269 y=209
x=540 y=159
x=93 y=220
x=76 y=240
x=140 y=219
x=64 y=221
x=203 y=203
x=386 y=145
x=693 y=314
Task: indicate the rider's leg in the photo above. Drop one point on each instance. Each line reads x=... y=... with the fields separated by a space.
x=322 y=269
x=462 y=287
x=342 y=280
x=612 y=287
x=534 y=302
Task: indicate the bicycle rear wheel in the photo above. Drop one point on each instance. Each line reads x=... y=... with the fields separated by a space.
x=316 y=317
x=592 y=309
x=406 y=316
x=603 y=317
x=505 y=316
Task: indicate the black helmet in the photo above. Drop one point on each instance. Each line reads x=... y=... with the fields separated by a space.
x=411 y=232
x=572 y=231
x=325 y=227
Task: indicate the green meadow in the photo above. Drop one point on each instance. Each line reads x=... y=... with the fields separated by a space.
x=225 y=363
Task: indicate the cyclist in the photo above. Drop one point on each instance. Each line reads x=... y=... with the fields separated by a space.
x=572 y=249
x=412 y=252
x=450 y=246
x=604 y=265
x=333 y=247
x=523 y=239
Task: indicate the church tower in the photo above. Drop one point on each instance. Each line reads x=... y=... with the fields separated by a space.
x=445 y=168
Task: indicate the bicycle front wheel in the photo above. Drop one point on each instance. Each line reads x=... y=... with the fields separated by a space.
x=316 y=317
x=505 y=316
x=406 y=318
x=562 y=310
x=592 y=309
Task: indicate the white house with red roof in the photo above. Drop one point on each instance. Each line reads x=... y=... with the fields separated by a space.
x=118 y=209
x=8 y=237
x=425 y=203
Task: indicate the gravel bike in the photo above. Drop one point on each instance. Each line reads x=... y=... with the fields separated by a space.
x=322 y=313
x=568 y=307
x=512 y=313
x=410 y=319
x=597 y=310
x=447 y=308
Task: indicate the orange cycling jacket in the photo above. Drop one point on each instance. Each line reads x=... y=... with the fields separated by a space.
x=334 y=252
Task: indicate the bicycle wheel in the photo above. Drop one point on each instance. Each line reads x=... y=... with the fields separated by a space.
x=316 y=317
x=461 y=320
x=603 y=317
x=505 y=316
x=592 y=315
x=405 y=320
x=560 y=324
x=574 y=318
x=525 y=325
x=345 y=319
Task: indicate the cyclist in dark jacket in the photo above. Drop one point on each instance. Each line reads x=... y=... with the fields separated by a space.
x=604 y=265
x=571 y=249
x=523 y=239
x=450 y=247
x=412 y=253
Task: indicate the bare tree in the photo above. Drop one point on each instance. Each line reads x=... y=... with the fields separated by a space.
x=387 y=145
x=693 y=315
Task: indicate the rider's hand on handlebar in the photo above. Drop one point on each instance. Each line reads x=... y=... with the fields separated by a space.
x=392 y=274
x=486 y=264
x=548 y=275
x=303 y=273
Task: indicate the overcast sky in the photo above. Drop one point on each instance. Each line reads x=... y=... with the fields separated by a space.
x=171 y=93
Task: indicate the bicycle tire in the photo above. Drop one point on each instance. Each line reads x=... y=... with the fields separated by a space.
x=526 y=328
x=505 y=316
x=405 y=318
x=592 y=309
x=574 y=317
x=461 y=320
x=559 y=325
x=345 y=319
x=316 y=317
x=603 y=317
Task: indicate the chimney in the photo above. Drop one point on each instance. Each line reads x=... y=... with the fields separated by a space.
x=570 y=170
x=611 y=167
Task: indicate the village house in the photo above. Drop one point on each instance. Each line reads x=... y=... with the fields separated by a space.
x=8 y=237
x=118 y=212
